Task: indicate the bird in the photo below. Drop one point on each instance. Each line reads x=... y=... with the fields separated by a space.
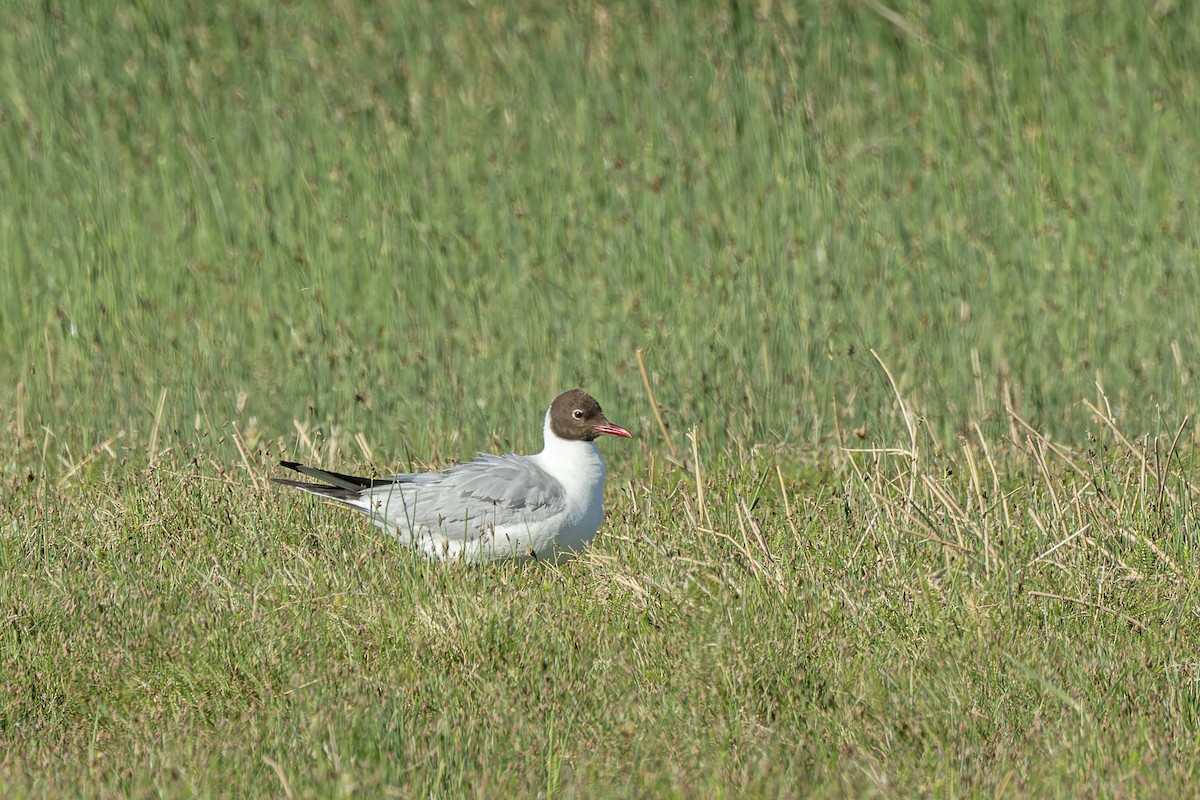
x=545 y=506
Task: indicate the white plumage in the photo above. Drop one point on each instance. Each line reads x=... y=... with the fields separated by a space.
x=545 y=506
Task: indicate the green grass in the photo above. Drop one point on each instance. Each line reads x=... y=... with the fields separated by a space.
x=920 y=277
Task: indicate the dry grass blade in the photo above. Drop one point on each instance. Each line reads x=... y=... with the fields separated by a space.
x=364 y=447
x=1166 y=466
x=74 y=468
x=996 y=490
x=747 y=522
x=19 y=425
x=787 y=506
x=1057 y=450
x=306 y=443
x=910 y=423
x=896 y=20
x=1110 y=423
x=701 y=509
x=253 y=474
x=152 y=447
x=1153 y=548
x=658 y=417
x=284 y=783
x=1141 y=626
x=1057 y=545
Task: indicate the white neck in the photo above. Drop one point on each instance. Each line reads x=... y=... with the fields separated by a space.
x=577 y=465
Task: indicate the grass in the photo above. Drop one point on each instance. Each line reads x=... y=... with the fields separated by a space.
x=912 y=289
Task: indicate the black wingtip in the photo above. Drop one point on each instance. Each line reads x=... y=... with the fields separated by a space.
x=340 y=479
x=321 y=490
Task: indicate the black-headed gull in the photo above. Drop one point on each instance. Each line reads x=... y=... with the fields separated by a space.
x=544 y=506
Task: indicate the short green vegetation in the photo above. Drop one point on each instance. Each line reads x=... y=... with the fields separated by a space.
x=900 y=300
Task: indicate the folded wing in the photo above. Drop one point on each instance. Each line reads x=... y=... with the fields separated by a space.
x=451 y=507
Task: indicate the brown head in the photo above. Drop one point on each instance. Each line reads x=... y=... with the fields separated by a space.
x=576 y=416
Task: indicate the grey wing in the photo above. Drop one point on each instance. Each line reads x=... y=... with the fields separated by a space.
x=514 y=483
x=491 y=491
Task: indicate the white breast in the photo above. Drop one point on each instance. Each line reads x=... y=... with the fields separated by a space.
x=579 y=467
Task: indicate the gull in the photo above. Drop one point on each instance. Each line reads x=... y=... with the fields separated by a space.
x=545 y=506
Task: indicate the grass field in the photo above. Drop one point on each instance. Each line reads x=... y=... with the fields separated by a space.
x=912 y=286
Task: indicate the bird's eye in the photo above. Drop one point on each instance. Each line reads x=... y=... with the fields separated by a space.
x=577 y=414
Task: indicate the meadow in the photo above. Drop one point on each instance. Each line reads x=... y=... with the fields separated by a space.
x=899 y=300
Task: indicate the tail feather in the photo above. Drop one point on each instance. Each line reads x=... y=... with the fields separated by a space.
x=337 y=485
x=332 y=492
